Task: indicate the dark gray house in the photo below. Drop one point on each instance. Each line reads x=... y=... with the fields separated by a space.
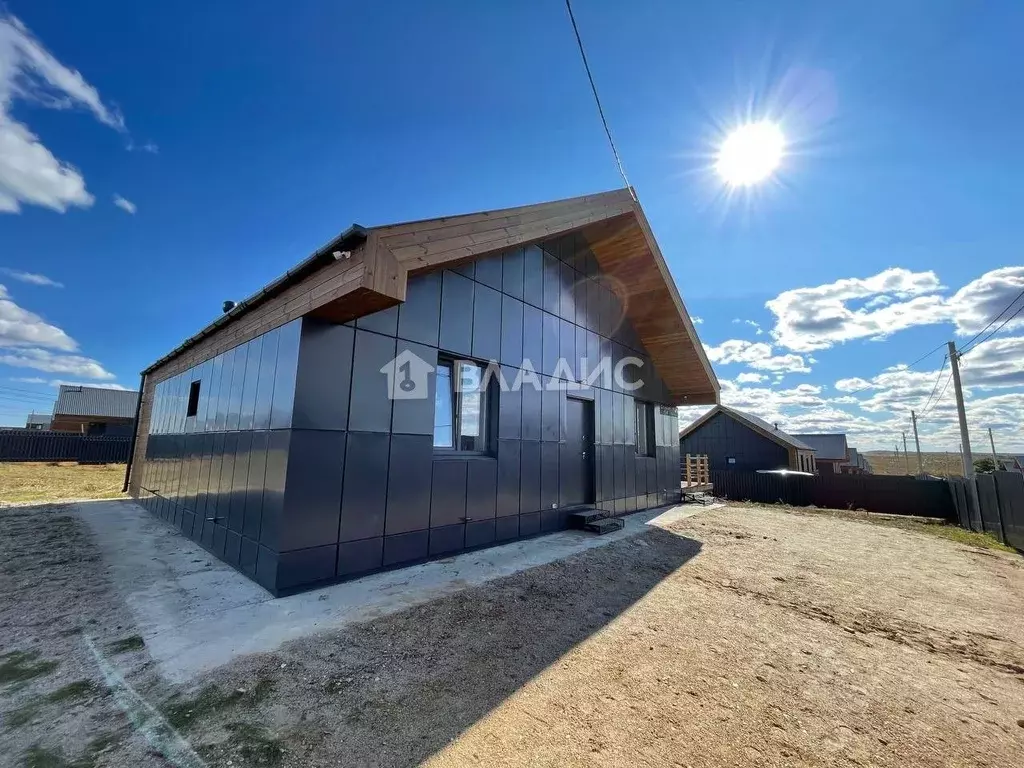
x=414 y=390
x=736 y=440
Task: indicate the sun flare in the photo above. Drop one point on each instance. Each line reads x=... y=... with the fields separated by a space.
x=750 y=154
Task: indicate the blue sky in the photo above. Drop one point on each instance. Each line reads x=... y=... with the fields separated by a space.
x=241 y=141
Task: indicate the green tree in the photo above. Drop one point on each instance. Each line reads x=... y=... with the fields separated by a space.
x=984 y=466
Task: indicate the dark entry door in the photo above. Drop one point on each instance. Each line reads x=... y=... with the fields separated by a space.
x=576 y=470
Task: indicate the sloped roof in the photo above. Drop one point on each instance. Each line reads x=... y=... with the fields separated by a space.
x=95 y=401
x=854 y=457
x=38 y=418
x=366 y=269
x=753 y=422
x=828 y=447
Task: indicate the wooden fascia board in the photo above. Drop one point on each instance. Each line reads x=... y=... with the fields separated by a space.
x=684 y=315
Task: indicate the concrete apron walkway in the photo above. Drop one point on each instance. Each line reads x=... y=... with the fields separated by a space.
x=197 y=613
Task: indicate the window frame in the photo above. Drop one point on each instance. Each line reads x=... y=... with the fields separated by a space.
x=192 y=406
x=488 y=408
x=646 y=443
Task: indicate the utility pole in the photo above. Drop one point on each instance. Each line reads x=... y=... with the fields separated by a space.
x=995 y=456
x=917 y=443
x=965 y=438
x=906 y=455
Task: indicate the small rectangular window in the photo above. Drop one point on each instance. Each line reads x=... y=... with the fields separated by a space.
x=644 y=428
x=193 y=399
x=461 y=407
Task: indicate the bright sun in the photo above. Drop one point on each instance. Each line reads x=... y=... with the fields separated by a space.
x=750 y=154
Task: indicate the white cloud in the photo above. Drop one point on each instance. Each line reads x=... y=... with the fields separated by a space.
x=125 y=205
x=148 y=146
x=28 y=379
x=757 y=355
x=48 y=362
x=981 y=300
x=19 y=327
x=697 y=320
x=995 y=364
x=29 y=172
x=750 y=378
x=808 y=319
x=33 y=278
x=94 y=384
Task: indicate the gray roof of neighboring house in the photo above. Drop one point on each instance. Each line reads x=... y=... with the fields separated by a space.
x=38 y=418
x=756 y=422
x=854 y=457
x=828 y=447
x=95 y=401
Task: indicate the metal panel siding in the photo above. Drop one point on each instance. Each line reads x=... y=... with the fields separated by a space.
x=360 y=556
x=510 y=408
x=406 y=547
x=511 y=331
x=456 y=314
x=384 y=322
x=370 y=406
x=512 y=268
x=324 y=375
x=284 y=375
x=312 y=499
x=508 y=478
x=550 y=344
x=239 y=483
x=529 y=476
x=247 y=410
x=531 y=404
x=363 y=504
x=548 y=475
x=448 y=492
x=533 y=276
x=409 y=480
x=552 y=284
x=481 y=489
x=255 y=482
x=419 y=316
x=489 y=271
x=486 y=324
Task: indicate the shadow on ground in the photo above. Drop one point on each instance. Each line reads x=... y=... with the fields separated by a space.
x=395 y=690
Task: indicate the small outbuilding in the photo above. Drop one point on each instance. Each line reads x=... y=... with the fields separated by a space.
x=414 y=390
x=737 y=440
x=830 y=452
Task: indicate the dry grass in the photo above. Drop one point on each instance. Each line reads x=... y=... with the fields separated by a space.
x=939 y=464
x=41 y=481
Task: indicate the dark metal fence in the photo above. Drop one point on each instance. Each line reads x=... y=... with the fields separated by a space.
x=871 y=493
x=997 y=509
x=42 y=445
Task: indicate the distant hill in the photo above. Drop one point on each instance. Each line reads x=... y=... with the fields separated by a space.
x=940 y=464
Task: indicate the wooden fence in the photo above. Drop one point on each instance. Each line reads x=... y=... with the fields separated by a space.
x=997 y=509
x=44 y=445
x=872 y=493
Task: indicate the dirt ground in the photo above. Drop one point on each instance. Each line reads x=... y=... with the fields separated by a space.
x=50 y=481
x=741 y=636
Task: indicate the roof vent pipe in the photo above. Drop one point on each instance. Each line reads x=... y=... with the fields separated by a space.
x=227 y=306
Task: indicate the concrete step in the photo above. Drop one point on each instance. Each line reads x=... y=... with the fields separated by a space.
x=605 y=525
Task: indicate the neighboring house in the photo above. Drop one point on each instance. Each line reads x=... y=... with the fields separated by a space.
x=736 y=440
x=37 y=421
x=318 y=430
x=865 y=465
x=830 y=452
x=94 y=410
x=857 y=465
x=1011 y=463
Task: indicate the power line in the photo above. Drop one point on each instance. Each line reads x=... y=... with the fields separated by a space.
x=911 y=365
x=997 y=330
x=937 y=380
x=990 y=322
x=943 y=392
x=600 y=109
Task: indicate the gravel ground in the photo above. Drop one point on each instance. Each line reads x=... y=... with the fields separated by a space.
x=742 y=636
